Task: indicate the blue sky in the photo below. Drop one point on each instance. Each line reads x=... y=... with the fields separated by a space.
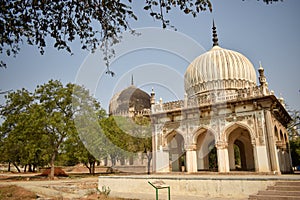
x=266 y=33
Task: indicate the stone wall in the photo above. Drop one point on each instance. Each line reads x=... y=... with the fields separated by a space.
x=222 y=186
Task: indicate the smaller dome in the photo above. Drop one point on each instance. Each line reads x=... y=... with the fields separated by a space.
x=131 y=98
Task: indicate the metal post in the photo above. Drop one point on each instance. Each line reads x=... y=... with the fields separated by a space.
x=160 y=186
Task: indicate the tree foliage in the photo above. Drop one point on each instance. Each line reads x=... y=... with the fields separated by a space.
x=66 y=123
x=127 y=136
x=295 y=151
x=294 y=137
x=37 y=126
x=93 y=22
x=22 y=125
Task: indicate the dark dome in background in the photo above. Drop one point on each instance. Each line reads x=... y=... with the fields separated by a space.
x=130 y=100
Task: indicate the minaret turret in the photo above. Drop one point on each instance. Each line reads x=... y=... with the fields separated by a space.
x=262 y=80
x=152 y=99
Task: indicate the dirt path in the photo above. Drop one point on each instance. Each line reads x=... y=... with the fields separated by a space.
x=65 y=188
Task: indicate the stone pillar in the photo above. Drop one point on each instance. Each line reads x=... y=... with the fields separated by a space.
x=288 y=162
x=284 y=160
x=223 y=158
x=162 y=161
x=261 y=158
x=271 y=143
x=191 y=159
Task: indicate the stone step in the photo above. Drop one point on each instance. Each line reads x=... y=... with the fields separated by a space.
x=284 y=188
x=272 y=197
x=283 y=193
x=289 y=183
x=281 y=190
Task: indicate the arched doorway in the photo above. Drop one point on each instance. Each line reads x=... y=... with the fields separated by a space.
x=276 y=134
x=206 y=152
x=283 y=153
x=213 y=158
x=240 y=150
x=177 y=158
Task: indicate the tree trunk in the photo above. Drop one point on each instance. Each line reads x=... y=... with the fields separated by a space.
x=25 y=168
x=16 y=166
x=105 y=161
x=52 y=166
x=8 y=169
x=93 y=168
x=113 y=160
x=29 y=168
x=89 y=168
x=149 y=158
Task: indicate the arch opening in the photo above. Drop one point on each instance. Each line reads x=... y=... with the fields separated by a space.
x=240 y=150
x=206 y=151
x=177 y=155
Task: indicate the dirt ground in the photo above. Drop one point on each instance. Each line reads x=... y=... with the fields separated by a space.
x=29 y=186
x=11 y=192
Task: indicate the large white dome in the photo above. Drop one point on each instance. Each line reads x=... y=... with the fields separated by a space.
x=219 y=69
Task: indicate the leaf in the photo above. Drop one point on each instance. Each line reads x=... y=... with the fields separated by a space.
x=147 y=7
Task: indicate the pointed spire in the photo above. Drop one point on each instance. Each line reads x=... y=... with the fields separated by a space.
x=132 y=83
x=215 y=36
x=152 y=91
x=260 y=66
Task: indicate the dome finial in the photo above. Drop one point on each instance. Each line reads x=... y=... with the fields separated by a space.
x=260 y=66
x=215 y=36
x=132 y=79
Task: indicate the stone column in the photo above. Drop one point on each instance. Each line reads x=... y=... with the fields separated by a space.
x=223 y=158
x=162 y=160
x=191 y=159
x=288 y=162
x=271 y=143
x=261 y=158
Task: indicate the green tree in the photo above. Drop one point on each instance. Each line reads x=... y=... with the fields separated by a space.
x=294 y=137
x=56 y=101
x=88 y=145
x=21 y=126
x=115 y=140
x=37 y=126
x=143 y=137
x=74 y=152
x=128 y=136
x=93 y=22
x=295 y=151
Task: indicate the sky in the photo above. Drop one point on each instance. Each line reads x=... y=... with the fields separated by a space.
x=158 y=58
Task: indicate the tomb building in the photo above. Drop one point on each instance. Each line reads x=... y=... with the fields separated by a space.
x=128 y=104
x=227 y=121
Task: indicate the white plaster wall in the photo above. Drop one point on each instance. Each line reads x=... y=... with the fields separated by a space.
x=196 y=187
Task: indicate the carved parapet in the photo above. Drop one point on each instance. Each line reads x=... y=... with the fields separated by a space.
x=208 y=98
x=168 y=106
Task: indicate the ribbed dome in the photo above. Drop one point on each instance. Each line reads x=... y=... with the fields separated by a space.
x=219 y=69
x=130 y=97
